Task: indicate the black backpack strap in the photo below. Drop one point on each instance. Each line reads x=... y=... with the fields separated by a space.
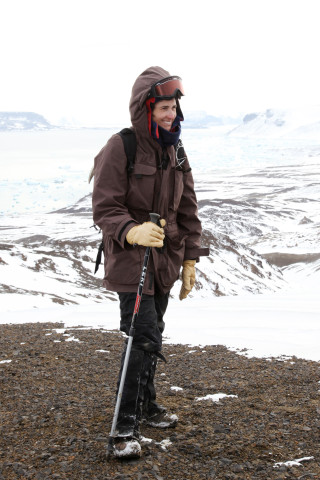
x=99 y=256
x=130 y=146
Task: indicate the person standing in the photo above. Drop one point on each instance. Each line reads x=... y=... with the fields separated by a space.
x=161 y=181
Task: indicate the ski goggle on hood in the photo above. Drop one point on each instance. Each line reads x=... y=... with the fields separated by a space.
x=168 y=87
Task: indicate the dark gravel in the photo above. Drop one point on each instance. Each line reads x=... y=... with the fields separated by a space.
x=57 y=400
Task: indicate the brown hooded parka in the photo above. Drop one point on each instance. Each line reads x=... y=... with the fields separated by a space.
x=121 y=201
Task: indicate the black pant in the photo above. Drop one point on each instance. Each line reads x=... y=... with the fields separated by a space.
x=139 y=395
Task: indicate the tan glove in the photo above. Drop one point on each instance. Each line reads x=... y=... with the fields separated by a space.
x=188 y=278
x=148 y=234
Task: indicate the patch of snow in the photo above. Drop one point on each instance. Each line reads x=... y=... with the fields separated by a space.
x=145 y=439
x=72 y=339
x=164 y=443
x=293 y=463
x=177 y=389
x=216 y=397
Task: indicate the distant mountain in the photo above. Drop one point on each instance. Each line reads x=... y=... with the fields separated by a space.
x=23 y=121
x=200 y=119
x=276 y=123
x=34 y=121
x=192 y=119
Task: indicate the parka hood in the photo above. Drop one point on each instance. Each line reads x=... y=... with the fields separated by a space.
x=140 y=90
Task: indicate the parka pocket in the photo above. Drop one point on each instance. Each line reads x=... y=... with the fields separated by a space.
x=123 y=265
x=124 y=268
x=141 y=187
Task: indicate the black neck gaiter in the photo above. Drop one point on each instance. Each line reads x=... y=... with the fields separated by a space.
x=163 y=136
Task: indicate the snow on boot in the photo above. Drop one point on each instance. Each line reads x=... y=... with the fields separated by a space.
x=162 y=420
x=126 y=447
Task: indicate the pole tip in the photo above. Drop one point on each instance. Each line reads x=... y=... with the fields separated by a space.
x=109 y=448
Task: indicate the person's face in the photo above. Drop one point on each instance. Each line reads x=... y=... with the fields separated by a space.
x=164 y=113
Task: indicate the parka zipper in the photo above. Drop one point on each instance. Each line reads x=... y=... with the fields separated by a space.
x=164 y=159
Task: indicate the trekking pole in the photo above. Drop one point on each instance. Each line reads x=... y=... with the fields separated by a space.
x=154 y=217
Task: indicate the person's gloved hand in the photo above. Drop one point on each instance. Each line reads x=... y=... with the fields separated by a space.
x=148 y=234
x=188 y=278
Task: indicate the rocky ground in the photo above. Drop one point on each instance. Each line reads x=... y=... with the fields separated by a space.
x=57 y=399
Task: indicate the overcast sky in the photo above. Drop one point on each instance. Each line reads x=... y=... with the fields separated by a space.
x=79 y=58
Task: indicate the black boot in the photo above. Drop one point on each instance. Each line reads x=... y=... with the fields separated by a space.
x=153 y=414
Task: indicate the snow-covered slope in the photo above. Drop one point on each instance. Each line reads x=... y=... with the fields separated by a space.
x=51 y=256
x=270 y=209
x=275 y=123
